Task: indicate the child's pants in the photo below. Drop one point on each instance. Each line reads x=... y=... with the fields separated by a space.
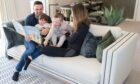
x=60 y=41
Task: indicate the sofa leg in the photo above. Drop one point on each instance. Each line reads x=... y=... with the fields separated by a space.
x=9 y=57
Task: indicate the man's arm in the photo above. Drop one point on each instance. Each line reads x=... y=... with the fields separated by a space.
x=27 y=21
x=31 y=20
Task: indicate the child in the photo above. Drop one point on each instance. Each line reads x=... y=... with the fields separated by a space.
x=43 y=22
x=58 y=30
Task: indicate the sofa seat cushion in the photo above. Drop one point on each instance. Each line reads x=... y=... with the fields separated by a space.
x=80 y=68
x=17 y=52
x=85 y=70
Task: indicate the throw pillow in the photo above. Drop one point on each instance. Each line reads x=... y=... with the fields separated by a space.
x=89 y=45
x=13 y=37
x=106 y=41
x=9 y=35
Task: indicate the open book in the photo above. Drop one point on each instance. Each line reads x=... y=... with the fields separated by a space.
x=34 y=32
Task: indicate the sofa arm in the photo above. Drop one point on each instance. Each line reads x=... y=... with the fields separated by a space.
x=117 y=59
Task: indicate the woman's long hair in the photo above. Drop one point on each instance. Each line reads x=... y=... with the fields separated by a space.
x=80 y=16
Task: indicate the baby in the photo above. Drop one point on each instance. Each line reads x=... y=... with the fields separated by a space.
x=58 y=30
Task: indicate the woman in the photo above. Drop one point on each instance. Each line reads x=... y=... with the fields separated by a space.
x=75 y=41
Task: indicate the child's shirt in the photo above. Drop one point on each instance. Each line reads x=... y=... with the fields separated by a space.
x=58 y=30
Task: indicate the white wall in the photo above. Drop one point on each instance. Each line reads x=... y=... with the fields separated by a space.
x=137 y=11
x=22 y=8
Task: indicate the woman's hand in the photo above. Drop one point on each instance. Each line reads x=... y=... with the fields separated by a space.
x=44 y=31
x=28 y=37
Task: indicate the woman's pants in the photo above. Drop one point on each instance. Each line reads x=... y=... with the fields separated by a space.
x=58 y=52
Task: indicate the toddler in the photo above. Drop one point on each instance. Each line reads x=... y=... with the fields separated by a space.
x=58 y=30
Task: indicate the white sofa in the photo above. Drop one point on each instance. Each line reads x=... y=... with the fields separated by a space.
x=114 y=69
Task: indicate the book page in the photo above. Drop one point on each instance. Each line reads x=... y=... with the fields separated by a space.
x=34 y=32
x=19 y=28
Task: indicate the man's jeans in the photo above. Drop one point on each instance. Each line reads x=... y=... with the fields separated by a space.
x=31 y=50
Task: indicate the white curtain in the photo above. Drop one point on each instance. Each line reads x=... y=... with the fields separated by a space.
x=7 y=10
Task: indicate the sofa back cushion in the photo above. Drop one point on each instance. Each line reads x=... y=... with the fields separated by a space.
x=106 y=41
x=101 y=30
x=12 y=36
x=89 y=45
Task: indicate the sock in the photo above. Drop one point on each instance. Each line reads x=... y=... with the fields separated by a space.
x=15 y=76
x=27 y=62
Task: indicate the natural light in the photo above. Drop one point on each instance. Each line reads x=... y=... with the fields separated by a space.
x=0 y=19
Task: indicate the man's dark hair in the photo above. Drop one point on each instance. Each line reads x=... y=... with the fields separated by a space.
x=38 y=3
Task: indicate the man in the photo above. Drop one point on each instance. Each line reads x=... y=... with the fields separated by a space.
x=31 y=20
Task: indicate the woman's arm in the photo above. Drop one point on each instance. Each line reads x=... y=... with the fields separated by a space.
x=73 y=37
x=81 y=31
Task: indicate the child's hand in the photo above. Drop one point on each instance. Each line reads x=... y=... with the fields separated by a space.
x=45 y=43
x=28 y=37
x=44 y=31
x=63 y=31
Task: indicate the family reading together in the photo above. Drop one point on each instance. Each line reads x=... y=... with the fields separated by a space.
x=57 y=31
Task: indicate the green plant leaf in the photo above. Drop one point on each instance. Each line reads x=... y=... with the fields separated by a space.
x=113 y=16
x=119 y=21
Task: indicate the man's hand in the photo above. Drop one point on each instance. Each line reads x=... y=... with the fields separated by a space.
x=45 y=43
x=44 y=31
x=28 y=37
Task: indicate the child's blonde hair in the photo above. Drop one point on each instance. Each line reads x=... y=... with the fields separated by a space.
x=59 y=15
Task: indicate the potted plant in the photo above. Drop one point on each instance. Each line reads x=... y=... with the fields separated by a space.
x=79 y=1
x=112 y=16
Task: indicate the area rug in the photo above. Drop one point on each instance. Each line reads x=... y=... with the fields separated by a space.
x=7 y=67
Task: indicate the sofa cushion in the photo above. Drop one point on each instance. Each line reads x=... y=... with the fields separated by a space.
x=106 y=41
x=88 y=73
x=17 y=52
x=101 y=30
x=13 y=37
x=89 y=46
x=9 y=33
